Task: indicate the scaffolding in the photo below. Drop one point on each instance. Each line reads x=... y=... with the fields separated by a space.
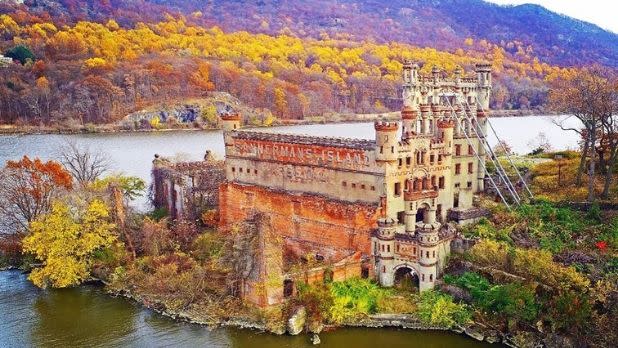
x=468 y=125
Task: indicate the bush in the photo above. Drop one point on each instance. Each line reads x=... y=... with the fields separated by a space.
x=509 y=301
x=553 y=227
x=536 y=265
x=438 y=309
x=353 y=298
x=207 y=246
x=317 y=300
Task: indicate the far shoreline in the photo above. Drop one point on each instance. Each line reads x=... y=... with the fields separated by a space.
x=13 y=130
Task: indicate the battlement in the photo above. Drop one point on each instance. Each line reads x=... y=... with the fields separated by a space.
x=385 y=126
x=407 y=113
x=348 y=143
x=446 y=123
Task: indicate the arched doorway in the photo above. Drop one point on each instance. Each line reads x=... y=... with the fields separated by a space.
x=422 y=212
x=406 y=278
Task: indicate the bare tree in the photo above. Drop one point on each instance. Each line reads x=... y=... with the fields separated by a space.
x=609 y=142
x=584 y=95
x=84 y=164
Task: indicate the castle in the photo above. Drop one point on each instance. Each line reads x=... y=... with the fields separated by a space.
x=371 y=208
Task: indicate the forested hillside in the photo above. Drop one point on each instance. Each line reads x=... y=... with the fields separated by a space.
x=95 y=61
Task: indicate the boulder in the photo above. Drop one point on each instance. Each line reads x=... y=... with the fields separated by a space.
x=315 y=326
x=492 y=336
x=315 y=339
x=557 y=341
x=474 y=332
x=296 y=322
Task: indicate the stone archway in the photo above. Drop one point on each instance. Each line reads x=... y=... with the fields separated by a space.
x=406 y=278
x=422 y=212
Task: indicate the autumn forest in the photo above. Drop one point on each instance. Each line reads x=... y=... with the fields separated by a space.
x=86 y=72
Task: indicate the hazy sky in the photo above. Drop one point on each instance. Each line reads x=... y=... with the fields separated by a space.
x=603 y=13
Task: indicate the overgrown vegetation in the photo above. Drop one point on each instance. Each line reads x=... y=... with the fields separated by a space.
x=542 y=267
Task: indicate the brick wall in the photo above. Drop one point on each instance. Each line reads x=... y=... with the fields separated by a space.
x=314 y=221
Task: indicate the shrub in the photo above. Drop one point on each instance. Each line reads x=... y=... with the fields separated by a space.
x=353 y=298
x=537 y=265
x=512 y=300
x=207 y=246
x=438 y=309
x=317 y=300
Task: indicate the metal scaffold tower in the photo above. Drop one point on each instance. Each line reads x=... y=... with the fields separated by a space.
x=468 y=125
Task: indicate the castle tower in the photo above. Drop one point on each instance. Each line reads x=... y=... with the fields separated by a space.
x=425 y=114
x=435 y=73
x=231 y=122
x=408 y=116
x=384 y=251
x=428 y=240
x=483 y=73
x=387 y=144
x=410 y=84
x=446 y=128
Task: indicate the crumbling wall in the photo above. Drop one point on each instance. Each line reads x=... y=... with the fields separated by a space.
x=312 y=221
x=186 y=189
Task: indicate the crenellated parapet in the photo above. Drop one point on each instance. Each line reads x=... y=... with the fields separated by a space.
x=385 y=126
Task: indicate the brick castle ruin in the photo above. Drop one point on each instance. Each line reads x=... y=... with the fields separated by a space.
x=364 y=208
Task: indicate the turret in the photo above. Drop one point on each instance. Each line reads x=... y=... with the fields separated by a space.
x=231 y=122
x=408 y=116
x=446 y=127
x=435 y=73
x=410 y=81
x=458 y=72
x=384 y=250
x=428 y=239
x=483 y=74
x=387 y=144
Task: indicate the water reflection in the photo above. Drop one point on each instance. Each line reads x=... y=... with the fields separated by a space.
x=87 y=317
x=80 y=317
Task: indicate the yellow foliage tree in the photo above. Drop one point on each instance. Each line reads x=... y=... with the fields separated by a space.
x=281 y=103
x=155 y=122
x=64 y=241
x=95 y=63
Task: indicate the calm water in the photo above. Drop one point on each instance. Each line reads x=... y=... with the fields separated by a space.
x=132 y=153
x=86 y=317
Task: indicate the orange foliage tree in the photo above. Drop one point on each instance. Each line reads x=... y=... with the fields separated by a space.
x=27 y=188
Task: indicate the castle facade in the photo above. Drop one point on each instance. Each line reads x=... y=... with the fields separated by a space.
x=372 y=208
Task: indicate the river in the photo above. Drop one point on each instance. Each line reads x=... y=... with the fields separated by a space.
x=87 y=317
x=132 y=153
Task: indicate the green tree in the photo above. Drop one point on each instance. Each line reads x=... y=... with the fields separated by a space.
x=65 y=240
x=21 y=53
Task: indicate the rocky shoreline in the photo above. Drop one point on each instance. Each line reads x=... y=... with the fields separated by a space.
x=476 y=331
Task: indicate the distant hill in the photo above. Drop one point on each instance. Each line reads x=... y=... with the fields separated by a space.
x=525 y=31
